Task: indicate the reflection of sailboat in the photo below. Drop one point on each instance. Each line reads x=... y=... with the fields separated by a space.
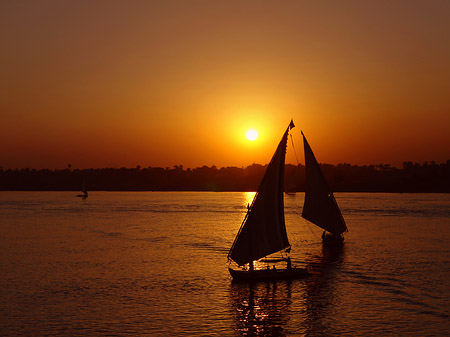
x=263 y=231
x=84 y=190
x=320 y=206
x=261 y=309
x=323 y=293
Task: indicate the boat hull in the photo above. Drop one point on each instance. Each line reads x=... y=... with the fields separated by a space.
x=331 y=241
x=270 y=274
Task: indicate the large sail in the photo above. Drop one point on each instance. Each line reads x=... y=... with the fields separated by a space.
x=320 y=207
x=263 y=230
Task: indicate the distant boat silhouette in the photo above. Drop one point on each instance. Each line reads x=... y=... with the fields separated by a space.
x=263 y=230
x=291 y=186
x=84 y=190
x=320 y=206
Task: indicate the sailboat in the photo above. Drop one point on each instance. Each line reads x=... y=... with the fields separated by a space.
x=263 y=230
x=292 y=180
x=84 y=190
x=320 y=206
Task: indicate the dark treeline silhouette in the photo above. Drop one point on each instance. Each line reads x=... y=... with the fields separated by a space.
x=412 y=177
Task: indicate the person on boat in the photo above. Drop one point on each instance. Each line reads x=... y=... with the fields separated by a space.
x=274 y=268
x=289 y=264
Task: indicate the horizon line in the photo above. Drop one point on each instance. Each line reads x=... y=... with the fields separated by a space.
x=70 y=167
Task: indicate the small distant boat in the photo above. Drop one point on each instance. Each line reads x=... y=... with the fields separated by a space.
x=290 y=187
x=292 y=183
x=84 y=190
x=320 y=206
x=263 y=230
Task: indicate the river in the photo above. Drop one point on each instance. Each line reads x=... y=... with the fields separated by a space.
x=155 y=263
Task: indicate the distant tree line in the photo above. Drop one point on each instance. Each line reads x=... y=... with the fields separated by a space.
x=412 y=177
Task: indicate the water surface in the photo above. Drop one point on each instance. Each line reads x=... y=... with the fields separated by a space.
x=154 y=263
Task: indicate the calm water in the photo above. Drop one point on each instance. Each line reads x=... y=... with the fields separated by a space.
x=155 y=264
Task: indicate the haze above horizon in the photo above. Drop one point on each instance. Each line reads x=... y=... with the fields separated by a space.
x=121 y=84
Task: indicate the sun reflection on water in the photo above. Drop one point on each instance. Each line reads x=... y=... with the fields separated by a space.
x=248 y=198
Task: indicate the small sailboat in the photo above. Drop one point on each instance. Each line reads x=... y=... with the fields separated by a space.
x=84 y=190
x=292 y=183
x=320 y=206
x=263 y=230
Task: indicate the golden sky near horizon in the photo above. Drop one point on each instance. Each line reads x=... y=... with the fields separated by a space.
x=164 y=83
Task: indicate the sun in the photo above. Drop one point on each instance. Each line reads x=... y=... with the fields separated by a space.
x=251 y=135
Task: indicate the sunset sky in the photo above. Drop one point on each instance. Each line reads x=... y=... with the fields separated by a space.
x=164 y=83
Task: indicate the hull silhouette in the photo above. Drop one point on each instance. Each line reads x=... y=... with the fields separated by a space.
x=267 y=274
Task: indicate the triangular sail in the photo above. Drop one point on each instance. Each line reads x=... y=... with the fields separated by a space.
x=263 y=231
x=320 y=207
x=83 y=188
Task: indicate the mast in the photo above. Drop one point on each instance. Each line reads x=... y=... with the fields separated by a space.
x=83 y=188
x=320 y=206
x=263 y=230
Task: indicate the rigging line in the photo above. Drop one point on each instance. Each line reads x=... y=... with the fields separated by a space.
x=308 y=224
x=295 y=152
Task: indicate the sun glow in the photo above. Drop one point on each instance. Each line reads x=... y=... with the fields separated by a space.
x=251 y=135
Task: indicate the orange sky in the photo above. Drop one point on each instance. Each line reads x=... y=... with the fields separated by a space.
x=163 y=83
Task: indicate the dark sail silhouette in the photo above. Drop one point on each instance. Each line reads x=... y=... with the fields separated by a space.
x=84 y=190
x=320 y=206
x=263 y=230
